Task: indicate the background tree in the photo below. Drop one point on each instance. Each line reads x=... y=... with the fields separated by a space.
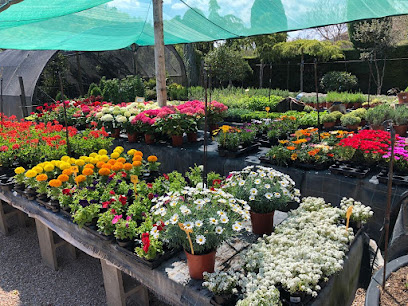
x=333 y=33
x=323 y=50
x=227 y=65
x=374 y=39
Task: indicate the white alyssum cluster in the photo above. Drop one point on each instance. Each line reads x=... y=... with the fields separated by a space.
x=360 y=213
x=221 y=282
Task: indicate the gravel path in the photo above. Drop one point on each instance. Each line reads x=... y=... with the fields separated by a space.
x=24 y=280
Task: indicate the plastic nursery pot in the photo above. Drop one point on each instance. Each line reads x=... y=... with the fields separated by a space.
x=192 y=137
x=373 y=291
x=328 y=125
x=127 y=243
x=115 y=133
x=402 y=97
x=149 y=139
x=401 y=129
x=177 y=140
x=262 y=223
x=198 y=264
x=132 y=137
x=353 y=127
x=377 y=127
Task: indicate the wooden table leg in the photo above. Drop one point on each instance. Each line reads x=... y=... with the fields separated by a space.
x=115 y=289
x=47 y=246
x=3 y=222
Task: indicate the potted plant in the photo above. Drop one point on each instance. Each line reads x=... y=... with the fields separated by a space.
x=329 y=120
x=337 y=115
x=377 y=115
x=131 y=129
x=216 y=112
x=173 y=125
x=228 y=138
x=19 y=179
x=86 y=213
x=125 y=230
x=351 y=122
x=146 y=122
x=400 y=120
x=361 y=113
x=266 y=190
x=403 y=96
x=200 y=220
x=360 y=212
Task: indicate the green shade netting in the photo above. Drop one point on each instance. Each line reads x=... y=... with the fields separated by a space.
x=92 y=25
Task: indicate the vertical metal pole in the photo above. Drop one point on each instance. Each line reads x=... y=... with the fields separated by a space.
x=80 y=85
x=23 y=97
x=302 y=68
x=205 y=169
x=65 y=115
x=270 y=81
x=1 y=100
x=388 y=124
x=287 y=75
x=261 y=68
x=369 y=81
x=317 y=98
x=210 y=83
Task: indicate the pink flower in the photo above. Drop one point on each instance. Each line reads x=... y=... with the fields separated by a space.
x=116 y=219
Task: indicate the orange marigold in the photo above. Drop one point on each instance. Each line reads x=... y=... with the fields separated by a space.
x=63 y=178
x=90 y=166
x=127 y=166
x=41 y=177
x=117 y=167
x=137 y=158
x=293 y=156
x=99 y=164
x=140 y=153
x=87 y=171
x=137 y=163
x=67 y=172
x=152 y=159
x=112 y=161
x=74 y=169
x=80 y=178
x=291 y=148
x=104 y=171
x=121 y=160
x=107 y=166
x=55 y=183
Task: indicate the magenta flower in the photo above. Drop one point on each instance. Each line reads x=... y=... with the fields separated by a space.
x=116 y=219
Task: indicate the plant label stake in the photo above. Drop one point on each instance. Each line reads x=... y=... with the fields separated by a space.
x=348 y=215
x=187 y=231
x=134 y=179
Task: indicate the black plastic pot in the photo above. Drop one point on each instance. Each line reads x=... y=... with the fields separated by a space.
x=373 y=291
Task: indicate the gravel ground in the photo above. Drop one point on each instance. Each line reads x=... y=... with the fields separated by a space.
x=359 y=298
x=24 y=280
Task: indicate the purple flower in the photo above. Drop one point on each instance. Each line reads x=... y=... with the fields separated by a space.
x=127 y=225
x=84 y=203
x=94 y=201
x=129 y=193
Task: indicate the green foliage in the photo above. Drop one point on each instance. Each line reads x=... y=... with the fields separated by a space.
x=328 y=117
x=259 y=103
x=345 y=97
x=177 y=92
x=349 y=120
x=338 y=114
x=359 y=112
x=279 y=155
x=264 y=45
x=86 y=214
x=124 y=90
x=227 y=65
x=377 y=115
x=96 y=91
x=400 y=115
x=125 y=229
x=338 y=81
x=104 y=223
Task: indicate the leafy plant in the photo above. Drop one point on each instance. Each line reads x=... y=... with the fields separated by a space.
x=400 y=115
x=328 y=117
x=377 y=115
x=338 y=81
x=347 y=120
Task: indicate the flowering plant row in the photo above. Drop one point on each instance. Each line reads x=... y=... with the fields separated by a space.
x=26 y=143
x=305 y=250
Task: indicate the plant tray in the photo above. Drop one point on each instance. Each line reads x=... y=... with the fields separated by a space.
x=96 y=233
x=66 y=214
x=152 y=264
x=349 y=170
x=305 y=166
x=239 y=152
x=401 y=180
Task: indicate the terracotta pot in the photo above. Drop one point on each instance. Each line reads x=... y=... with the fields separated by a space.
x=329 y=104
x=149 y=139
x=132 y=137
x=115 y=133
x=262 y=223
x=357 y=104
x=377 y=127
x=192 y=137
x=177 y=140
x=353 y=127
x=328 y=125
x=401 y=129
x=197 y=264
x=403 y=97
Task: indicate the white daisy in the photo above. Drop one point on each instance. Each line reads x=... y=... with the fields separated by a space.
x=277 y=195
x=174 y=219
x=186 y=211
x=257 y=181
x=200 y=239
x=223 y=201
x=156 y=235
x=267 y=186
x=199 y=206
x=213 y=221
x=268 y=195
x=162 y=211
x=199 y=201
x=236 y=227
x=199 y=223
x=253 y=191
x=219 y=230
x=241 y=183
x=221 y=213
x=233 y=184
x=262 y=174
x=224 y=219
x=173 y=203
x=252 y=198
x=188 y=225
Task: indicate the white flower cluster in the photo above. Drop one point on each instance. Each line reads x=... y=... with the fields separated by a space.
x=305 y=249
x=360 y=213
x=123 y=114
x=263 y=296
x=221 y=282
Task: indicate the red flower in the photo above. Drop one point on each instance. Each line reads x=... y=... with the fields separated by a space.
x=3 y=148
x=146 y=242
x=122 y=199
x=16 y=146
x=106 y=204
x=66 y=191
x=112 y=192
x=150 y=196
x=166 y=176
x=149 y=185
x=113 y=211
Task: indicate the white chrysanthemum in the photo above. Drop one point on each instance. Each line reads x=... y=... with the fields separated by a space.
x=199 y=201
x=277 y=195
x=236 y=227
x=174 y=219
x=252 y=198
x=257 y=181
x=267 y=186
x=224 y=219
x=253 y=191
x=200 y=239
x=198 y=223
x=241 y=183
x=213 y=221
x=188 y=225
x=219 y=230
x=268 y=195
x=221 y=213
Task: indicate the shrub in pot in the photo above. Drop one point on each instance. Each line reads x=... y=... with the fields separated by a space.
x=329 y=120
x=400 y=120
x=350 y=121
x=266 y=190
x=209 y=216
x=377 y=115
x=338 y=81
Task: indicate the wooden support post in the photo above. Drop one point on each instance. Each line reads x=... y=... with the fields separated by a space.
x=159 y=60
x=115 y=290
x=3 y=222
x=47 y=247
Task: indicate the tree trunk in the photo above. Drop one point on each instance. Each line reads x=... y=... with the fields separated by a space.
x=261 y=70
x=190 y=61
x=159 y=60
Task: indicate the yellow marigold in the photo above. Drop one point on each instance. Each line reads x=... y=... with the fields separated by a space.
x=104 y=171
x=115 y=155
x=104 y=158
x=64 y=165
x=83 y=157
x=99 y=164
x=152 y=159
x=137 y=158
x=117 y=167
x=63 y=178
x=41 y=177
x=87 y=171
x=80 y=178
x=93 y=160
x=102 y=152
x=57 y=163
x=137 y=163
x=89 y=166
x=79 y=162
x=55 y=183
x=127 y=166
x=121 y=160
x=73 y=160
x=119 y=149
x=31 y=173
x=93 y=155
x=140 y=153
x=293 y=156
x=67 y=172
x=49 y=167
x=19 y=170
x=131 y=152
x=66 y=159
x=53 y=162
x=38 y=169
